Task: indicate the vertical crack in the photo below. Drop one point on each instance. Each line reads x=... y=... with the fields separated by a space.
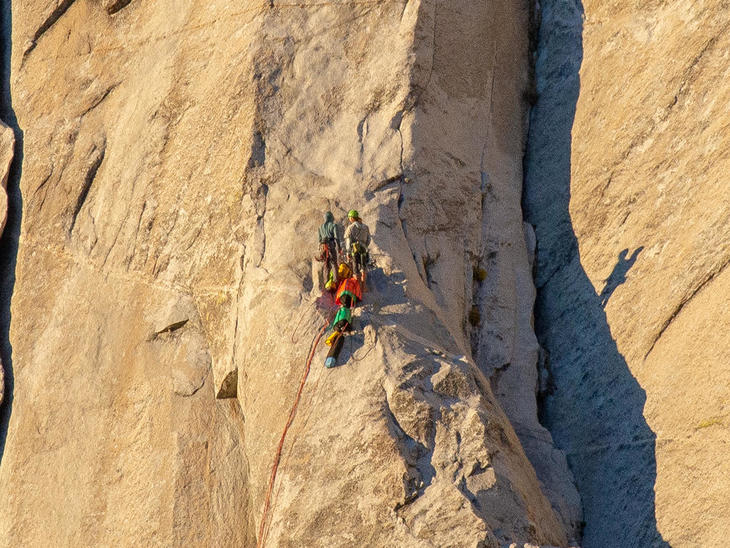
x=11 y=235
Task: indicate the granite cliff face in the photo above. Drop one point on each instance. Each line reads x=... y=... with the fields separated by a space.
x=172 y=163
x=627 y=188
x=177 y=159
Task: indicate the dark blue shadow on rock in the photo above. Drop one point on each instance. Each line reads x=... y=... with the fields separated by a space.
x=594 y=409
x=11 y=234
x=618 y=274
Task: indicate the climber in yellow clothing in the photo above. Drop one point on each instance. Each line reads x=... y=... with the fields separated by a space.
x=348 y=295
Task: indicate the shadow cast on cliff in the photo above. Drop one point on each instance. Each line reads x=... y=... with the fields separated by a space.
x=11 y=234
x=595 y=407
x=618 y=274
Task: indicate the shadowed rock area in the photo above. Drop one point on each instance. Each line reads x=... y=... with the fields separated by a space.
x=11 y=156
x=625 y=187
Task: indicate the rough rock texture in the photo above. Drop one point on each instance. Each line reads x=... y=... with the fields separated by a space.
x=172 y=184
x=7 y=144
x=627 y=189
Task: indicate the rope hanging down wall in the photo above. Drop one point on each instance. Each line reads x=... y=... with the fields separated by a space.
x=263 y=527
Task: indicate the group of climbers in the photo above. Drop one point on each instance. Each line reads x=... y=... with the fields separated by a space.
x=348 y=279
x=348 y=295
x=354 y=250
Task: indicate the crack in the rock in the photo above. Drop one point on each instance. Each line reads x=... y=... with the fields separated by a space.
x=416 y=455
x=41 y=186
x=97 y=154
x=172 y=327
x=114 y=242
x=51 y=20
x=197 y=388
x=99 y=100
x=714 y=273
x=116 y=6
x=396 y=123
x=361 y=128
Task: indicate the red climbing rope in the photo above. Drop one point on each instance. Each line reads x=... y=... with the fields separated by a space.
x=263 y=530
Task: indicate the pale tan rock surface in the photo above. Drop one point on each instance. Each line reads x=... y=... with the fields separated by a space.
x=7 y=144
x=172 y=185
x=629 y=144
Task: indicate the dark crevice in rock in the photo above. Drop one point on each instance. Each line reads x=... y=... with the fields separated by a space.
x=116 y=6
x=258 y=151
x=97 y=157
x=416 y=455
x=173 y=327
x=587 y=395
x=11 y=235
x=100 y=99
x=229 y=386
x=429 y=262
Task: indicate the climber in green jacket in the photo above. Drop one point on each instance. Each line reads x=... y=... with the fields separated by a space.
x=341 y=324
x=330 y=243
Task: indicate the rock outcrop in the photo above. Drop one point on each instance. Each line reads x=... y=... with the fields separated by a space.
x=7 y=145
x=177 y=160
x=627 y=190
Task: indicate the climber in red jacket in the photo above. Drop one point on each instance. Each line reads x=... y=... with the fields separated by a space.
x=349 y=293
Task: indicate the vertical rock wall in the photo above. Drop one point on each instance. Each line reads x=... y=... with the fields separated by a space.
x=178 y=159
x=7 y=146
x=627 y=190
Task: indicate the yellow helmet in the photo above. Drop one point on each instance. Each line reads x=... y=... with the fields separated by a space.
x=344 y=271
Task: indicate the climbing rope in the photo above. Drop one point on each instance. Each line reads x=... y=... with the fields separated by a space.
x=263 y=528
x=316 y=397
x=292 y=338
x=353 y=356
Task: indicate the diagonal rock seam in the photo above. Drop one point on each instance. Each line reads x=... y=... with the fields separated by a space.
x=97 y=157
x=706 y=279
x=61 y=8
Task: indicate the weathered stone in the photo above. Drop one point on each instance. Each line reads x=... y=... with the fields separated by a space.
x=7 y=144
x=172 y=186
x=627 y=189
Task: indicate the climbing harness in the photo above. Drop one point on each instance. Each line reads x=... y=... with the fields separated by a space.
x=263 y=527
